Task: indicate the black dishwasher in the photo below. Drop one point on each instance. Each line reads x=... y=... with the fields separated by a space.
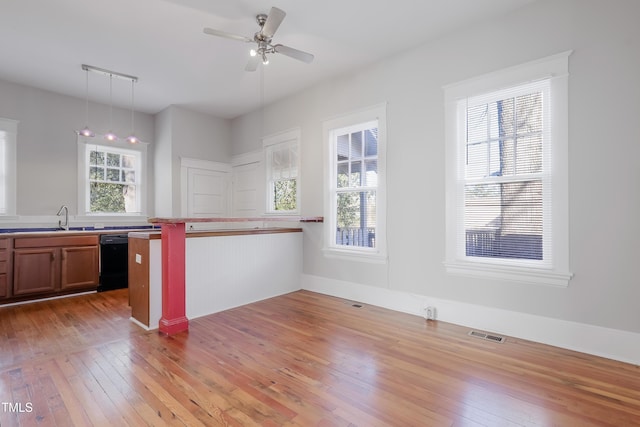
x=114 y=262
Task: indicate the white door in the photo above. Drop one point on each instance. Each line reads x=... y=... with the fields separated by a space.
x=205 y=188
x=207 y=193
x=246 y=179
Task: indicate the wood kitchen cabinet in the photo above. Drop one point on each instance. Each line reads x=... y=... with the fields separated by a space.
x=5 y=270
x=47 y=266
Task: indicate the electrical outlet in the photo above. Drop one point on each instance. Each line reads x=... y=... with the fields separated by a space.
x=430 y=313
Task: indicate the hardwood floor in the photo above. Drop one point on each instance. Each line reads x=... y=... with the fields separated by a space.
x=302 y=359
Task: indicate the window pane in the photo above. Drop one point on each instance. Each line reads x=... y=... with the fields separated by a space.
x=342 y=147
x=529 y=154
x=477 y=123
x=356 y=145
x=128 y=176
x=113 y=175
x=371 y=174
x=113 y=159
x=356 y=219
x=128 y=161
x=96 y=158
x=504 y=125
x=355 y=176
x=504 y=220
x=529 y=113
x=343 y=175
x=107 y=197
x=285 y=195
x=371 y=142
x=96 y=173
x=476 y=160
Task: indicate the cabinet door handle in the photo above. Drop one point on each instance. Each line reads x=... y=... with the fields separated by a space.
x=53 y=256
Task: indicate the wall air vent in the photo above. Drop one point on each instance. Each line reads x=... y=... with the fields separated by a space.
x=488 y=337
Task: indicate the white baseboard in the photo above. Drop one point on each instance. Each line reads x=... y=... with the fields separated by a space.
x=613 y=344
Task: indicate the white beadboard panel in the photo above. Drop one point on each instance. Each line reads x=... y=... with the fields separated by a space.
x=228 y=271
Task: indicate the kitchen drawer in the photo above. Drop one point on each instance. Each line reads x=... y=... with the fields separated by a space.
x=4 y=243
x=3 y=267
x=44 y=242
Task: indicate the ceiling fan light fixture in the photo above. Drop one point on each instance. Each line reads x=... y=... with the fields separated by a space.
x=269 y=24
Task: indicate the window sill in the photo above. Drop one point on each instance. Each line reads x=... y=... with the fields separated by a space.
x=509 y=273
x=373 y=257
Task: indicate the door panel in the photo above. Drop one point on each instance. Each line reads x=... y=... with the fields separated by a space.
x=246 y=179
x=206 y=193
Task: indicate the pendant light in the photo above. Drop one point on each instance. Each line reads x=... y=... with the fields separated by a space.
x=86 y=131
x=110 y=136
x=132 y=139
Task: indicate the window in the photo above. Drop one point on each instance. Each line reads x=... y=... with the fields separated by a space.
x=356 y=185
x=507 y=174
x=112 y=178
x=283 y=189
x=8 y=134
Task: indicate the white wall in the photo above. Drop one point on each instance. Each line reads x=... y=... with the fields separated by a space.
x=604 y=151
x=163 y=164
x=46 y=143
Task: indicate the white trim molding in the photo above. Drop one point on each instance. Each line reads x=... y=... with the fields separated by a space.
x=610 y=343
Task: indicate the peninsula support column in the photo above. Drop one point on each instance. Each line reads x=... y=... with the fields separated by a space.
x=174 y=317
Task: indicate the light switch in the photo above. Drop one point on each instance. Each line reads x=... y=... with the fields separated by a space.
x=138 y=258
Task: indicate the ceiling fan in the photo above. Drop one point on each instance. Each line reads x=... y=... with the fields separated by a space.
x=268 y=26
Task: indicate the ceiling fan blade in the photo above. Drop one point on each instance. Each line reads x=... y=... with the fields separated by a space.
x=274 y=19
x=224 y=34
x=252 y=65
x=294 y=53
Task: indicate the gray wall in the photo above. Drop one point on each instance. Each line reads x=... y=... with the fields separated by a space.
x=46 y=143
x=603 y=150
x=183 y=133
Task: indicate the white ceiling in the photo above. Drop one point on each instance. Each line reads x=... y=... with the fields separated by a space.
x=44 y=42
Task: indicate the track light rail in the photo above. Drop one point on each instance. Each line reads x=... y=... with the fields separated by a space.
x=110 y=73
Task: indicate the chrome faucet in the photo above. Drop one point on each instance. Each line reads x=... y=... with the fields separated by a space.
x=64 y=209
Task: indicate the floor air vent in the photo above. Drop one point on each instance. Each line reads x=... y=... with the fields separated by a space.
x=488 y=337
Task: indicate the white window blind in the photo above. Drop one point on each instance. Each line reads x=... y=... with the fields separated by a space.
x=282 y=169
x=507 y=174
x=507 y=186
x=282 y=160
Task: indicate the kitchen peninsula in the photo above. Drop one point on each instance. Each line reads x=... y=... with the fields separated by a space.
x=175 y=275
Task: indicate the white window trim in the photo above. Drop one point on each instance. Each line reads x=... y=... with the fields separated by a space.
x=10 y=129
x=330 y=249
x=290 y=136
x=556 y=272
x=83 y=178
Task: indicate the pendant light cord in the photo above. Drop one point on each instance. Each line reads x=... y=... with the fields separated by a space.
x=86 y=106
